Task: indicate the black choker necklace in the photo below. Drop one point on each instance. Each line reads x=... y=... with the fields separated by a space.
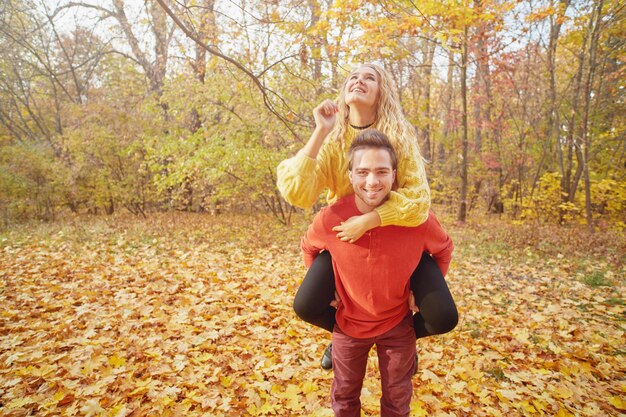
x=361 y=127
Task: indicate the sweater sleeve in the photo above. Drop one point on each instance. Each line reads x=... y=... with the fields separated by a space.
x=408 y=205
x=438 y=243
x=301 y=179
x=313 y=242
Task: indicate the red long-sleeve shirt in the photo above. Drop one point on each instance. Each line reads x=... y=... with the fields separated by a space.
x=372 y=275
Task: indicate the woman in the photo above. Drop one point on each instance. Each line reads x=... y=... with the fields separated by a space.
x=368 y=99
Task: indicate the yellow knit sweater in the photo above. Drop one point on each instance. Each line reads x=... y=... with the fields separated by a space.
x=301 y=179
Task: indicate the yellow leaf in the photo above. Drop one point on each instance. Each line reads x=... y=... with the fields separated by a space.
x=58 y=396
x=563 y=412
x=564 y=392
x=476 y=389
x=118 y=411
x=322 y=412
x=292 y=390
x=507 y=394
x=417 y=409
x=202 y=358
x=193 y=395
x=308 y=387
x=116 y=362
x=540 y=406
x=92 y=408
x=152 y=353
x=166 y=401
x=293 y=398
x=428 y=375
x=265 y=409
x=43 y=371
x=19 y=402
x=226 y=381
x=618 y=402
x=554 y=348
x=252 y=410
x=526 y=406
x=139 y=391
x=521 y=335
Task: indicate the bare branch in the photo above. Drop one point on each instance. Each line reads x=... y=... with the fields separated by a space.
x=191 y=34
x=107 y=12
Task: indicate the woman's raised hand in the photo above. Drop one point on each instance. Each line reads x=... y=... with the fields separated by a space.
x=325 y=115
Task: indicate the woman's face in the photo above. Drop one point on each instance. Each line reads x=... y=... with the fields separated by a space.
x=362 y=87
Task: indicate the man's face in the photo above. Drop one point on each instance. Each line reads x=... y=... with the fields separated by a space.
x=372 y=177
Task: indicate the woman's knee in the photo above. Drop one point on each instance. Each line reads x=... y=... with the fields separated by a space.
x=440 y=313
x=446 y=321
x=306 y=307
x=317 y=289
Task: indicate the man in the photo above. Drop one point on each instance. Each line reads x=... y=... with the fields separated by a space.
x=372 y=281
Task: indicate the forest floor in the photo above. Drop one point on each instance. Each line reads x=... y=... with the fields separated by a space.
x=190 y=315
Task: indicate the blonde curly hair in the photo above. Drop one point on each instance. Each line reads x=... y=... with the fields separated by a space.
x=390 y=118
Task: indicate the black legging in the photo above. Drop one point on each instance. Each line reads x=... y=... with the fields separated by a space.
x=437 y=313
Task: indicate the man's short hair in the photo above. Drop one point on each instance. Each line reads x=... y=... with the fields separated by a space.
x=372 y=139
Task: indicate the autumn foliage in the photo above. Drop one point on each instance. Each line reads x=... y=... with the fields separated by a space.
x=190 y=315
x=119 y=106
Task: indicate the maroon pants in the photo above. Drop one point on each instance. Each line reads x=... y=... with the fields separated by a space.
x=396 y=360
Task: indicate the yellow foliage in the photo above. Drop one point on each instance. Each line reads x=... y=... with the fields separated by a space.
x=608 y=199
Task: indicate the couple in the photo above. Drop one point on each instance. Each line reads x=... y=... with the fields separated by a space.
x=369 y=252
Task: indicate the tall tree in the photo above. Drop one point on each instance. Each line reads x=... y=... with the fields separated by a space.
x=429 y=48
x=208 y=34
x=552 y=124
x=462 y=213
x=484 y=98
x=152 y=59
x=584 y=143
x=448 y=114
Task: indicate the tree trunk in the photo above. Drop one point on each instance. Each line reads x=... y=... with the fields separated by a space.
x=552 y=126
x=568 y=185
x=316 y=49
x=153 y=68
x=428 y=53
x=462 y=215
x=585 y=139
x=207 y=33
x=484 y=100
x=478 y=118
x=447 y=99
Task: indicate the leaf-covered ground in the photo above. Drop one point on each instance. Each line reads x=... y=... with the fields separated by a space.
x=189 y=315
